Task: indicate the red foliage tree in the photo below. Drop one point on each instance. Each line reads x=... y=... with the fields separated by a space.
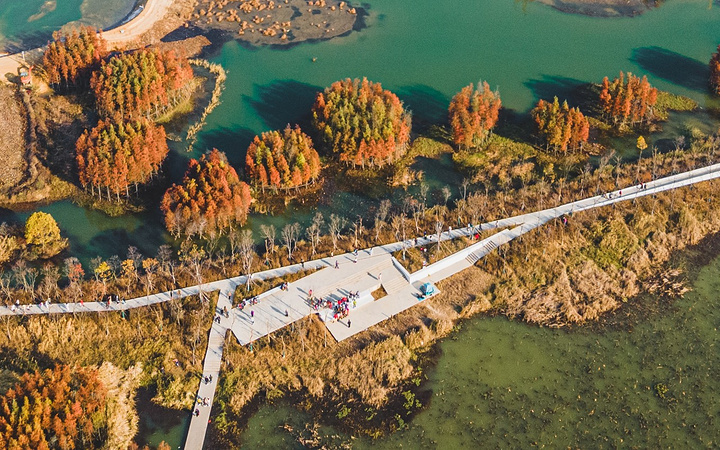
x=71 y=57
x=111 y=157
x=627 y=99
x=473 y=113
x=362 y=123
x=290 y=154
x=140 y=84
x=715 y=72
x=59 y=409
x=561 y=126
x=210 y=199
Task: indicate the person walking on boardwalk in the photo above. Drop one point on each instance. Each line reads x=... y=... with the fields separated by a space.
x=337 y=264
x=349 y=323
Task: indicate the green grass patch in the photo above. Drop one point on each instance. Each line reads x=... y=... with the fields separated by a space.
x=499 y=158
x=671 y=102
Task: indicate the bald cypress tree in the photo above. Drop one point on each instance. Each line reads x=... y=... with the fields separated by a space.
x=114 y=156
x=210 y=199
x=289 y=155
x=361 y=123
x=562 y=127
x=473 y=114
x=715 y=72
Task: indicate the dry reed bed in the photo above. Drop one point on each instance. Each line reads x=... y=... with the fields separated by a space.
x=559 y=275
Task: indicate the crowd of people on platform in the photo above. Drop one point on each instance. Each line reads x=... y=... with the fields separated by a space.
x=247 y=302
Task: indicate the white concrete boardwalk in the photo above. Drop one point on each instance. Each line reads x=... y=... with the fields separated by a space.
x=365 y=273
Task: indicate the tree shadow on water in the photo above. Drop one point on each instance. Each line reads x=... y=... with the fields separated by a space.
x=284 y=102
x=233 y=141
x=673 y=67
x=147 y=238
x=428 y=106
x=564 y=88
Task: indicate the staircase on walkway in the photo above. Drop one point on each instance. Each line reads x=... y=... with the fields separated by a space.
x=393 y=281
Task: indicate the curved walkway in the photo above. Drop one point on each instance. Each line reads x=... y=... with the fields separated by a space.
x=337 y=276
x=152 y=12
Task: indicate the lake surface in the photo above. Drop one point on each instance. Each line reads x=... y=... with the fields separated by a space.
x=28 y=23
x=501 y=384
x=425 y=53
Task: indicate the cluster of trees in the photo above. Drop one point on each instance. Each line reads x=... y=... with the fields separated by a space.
x=42 y=235
x=715 y=72
x=59 y=408
x=39 y=238
x=114 y=155
x=144 y=83
x=473 y=113
x=561 y=126
x=362 y=123
x=627 y=99
x=282 y=159
x=210 y=199
x=71 y=57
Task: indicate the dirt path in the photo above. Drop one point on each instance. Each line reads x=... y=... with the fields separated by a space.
x=153 y=12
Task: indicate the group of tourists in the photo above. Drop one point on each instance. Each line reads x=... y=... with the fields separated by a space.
x=340 y=309
x=202 y=401
x=247 y=302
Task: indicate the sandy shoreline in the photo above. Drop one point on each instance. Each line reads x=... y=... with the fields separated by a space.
x=153 y=12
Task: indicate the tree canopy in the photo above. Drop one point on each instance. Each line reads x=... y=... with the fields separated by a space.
x=142 y=83
x=112 y=156
x=627 y=98
x=210 y=199
x=43 y=234
x=561 y=126
x=362 y=123
x=282 y=159
x=54 y=409
x=71 y=57
x=473 y=113
x=715 y=72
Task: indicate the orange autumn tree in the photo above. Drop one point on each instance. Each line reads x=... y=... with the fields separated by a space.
x=111 y=157
x=473 y=113
x=54 y=409
x=562 y=127
x=362 y=123
x=715 y=72
x=627 y=99
x=71 y=57
x=139 y=84
x=210 y=199
x=282 y=160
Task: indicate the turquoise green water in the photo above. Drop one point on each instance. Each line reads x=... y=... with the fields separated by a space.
x=28 y=23
x=425 y=53
x=500 y=384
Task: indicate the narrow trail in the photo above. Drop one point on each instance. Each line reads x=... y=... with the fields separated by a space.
x=152 y=12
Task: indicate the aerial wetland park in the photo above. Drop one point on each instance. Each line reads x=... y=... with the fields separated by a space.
x=327 y=224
